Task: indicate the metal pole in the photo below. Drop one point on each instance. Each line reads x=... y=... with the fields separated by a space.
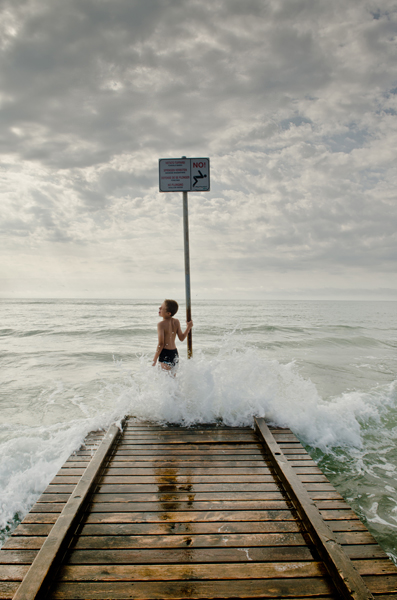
x=187 y=273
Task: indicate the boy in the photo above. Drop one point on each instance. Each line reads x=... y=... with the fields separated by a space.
x=167 y=330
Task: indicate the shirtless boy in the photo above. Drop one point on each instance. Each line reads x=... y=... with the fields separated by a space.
x=167 y=330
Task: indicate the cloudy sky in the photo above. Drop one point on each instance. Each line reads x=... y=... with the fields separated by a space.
x=294 y=101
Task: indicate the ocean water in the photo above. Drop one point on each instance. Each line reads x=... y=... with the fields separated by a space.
x=325 y=369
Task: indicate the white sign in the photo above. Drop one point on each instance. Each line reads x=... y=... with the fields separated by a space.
x=184 y=174
x=174 y=174
x=200 y=174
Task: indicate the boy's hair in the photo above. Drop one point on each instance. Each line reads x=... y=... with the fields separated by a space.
x=171 y=306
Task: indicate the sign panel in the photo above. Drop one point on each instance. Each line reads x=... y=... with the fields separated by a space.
x=200 y=174
x=184 y=174
x=174 y=174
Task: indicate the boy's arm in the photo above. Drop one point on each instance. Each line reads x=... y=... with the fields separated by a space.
x=181 y=335
x=160 y=346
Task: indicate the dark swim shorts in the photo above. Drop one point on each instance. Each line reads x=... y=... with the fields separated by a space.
x=169 y=357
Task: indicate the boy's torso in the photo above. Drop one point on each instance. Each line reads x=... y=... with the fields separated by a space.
x=170 y=328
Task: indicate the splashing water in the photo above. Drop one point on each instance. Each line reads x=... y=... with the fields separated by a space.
x=352 y=435
x=237 y=386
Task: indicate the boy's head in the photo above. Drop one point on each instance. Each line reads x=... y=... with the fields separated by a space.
x=171 y=306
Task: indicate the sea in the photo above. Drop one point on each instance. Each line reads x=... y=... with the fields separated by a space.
x=326 y=369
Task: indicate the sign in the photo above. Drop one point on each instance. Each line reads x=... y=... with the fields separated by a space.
x=184 y=174
x=174 y=174
x=200 y=174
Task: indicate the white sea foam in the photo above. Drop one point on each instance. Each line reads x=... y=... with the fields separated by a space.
x=236 y=386
x=30 y=459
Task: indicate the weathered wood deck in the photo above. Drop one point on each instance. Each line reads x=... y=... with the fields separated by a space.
x=193 y=513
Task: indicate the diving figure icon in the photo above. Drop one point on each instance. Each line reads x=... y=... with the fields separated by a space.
x=197 y=177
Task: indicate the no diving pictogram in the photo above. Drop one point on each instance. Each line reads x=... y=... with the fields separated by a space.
x=197 y=177
x=200 y=174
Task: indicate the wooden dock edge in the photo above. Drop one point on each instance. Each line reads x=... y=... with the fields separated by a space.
x=44 y=568
x=346 y=578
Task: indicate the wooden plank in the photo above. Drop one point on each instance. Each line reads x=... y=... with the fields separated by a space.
x=216 y=505
x=284 y=438
x=88 y=454
x=214 y=450
x=179 y=471
x=190 y=555
x=190 y=516
x=40 y=518
x=376 y=567
x=329 y=504
x=207 y=436
x=347 y=525
x=254 y=588
x=72 y=471
x=301 y=462
x=47 y=508
x=166 y=572
x=346 y=578
x=304 y=470
x=170 y=444
x=13 y=572
x=177 y=427
x=172 y=430
x=35 y=529
x=230 y=540
x=183 y=497
x=177 y=456
x=183 y=438
x=8 y=589
x=20 y=557
x=343 y=514
x=300 y=459
x=295 y=446
x=66 y=479
x=188 y=448
x=354 y=537
x=190 y=479
x=281 y=429
x=320 y=495
x=213 y=433
x=47 y=560
x=179 y=463
x=363 y=552
x=126 y=494
x=55 y=497
x=24 y=543
x=322 y=487
x=171 y=496
x=195 y=488
x=381 y=585
x=59 y=489
x=102 y=529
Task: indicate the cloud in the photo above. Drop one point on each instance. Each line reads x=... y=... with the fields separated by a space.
x=295 y=103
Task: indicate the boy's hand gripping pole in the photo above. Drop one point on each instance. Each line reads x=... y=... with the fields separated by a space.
x=187 y=273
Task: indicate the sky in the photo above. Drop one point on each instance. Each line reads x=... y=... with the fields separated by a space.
x=293 y=101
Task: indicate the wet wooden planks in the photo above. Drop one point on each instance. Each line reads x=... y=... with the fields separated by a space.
x=195 y=513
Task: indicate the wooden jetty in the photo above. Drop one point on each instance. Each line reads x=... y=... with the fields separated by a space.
x=213 y=512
